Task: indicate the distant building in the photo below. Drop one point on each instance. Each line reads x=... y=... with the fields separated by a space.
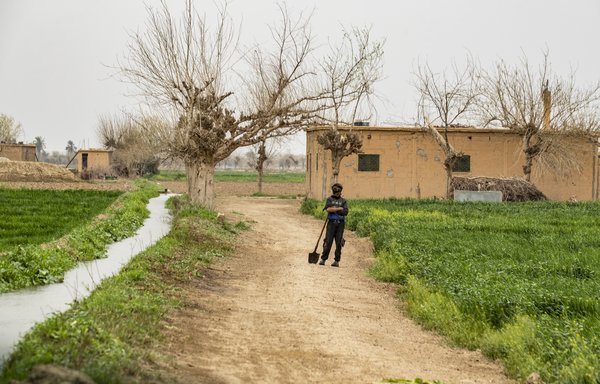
x=93 y=160
x=407 y=162
x=18 y=152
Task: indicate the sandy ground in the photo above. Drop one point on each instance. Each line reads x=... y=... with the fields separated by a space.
x=265 y=315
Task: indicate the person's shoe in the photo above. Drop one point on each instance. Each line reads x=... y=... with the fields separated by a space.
x=322 y=262
x=335 y=264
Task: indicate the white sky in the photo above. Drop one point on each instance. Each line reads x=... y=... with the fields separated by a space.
x=54 y=54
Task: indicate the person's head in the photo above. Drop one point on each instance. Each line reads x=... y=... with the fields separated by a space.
x=336 y=189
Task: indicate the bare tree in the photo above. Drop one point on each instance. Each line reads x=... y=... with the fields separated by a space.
x=449 y=99
x=188 y=66
x=135 y=153
x=262 y=152
x=544 y=109
x=349 y=74
x=9 y=129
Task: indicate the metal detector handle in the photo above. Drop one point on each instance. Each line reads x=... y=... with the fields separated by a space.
x=319 y=239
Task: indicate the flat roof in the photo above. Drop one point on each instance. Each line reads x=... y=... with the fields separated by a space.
x=17 y=145
x=408 y=129
x=363 y=128
x=94 y=150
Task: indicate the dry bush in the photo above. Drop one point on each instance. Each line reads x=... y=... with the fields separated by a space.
x=513 y=189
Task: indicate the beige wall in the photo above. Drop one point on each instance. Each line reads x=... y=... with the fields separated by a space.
x=96 y=160
x=411 y=164
x=18 y=152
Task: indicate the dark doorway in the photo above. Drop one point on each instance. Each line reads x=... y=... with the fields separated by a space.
x=84 y=157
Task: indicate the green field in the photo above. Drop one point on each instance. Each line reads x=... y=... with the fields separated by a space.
x=34 y=217
x=519 y=281
x=110 y=334
x=38 y=216
x=237 y=176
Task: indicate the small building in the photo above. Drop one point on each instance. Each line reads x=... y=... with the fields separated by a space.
x=93 y=160
x=401 y=162
x=18 y=152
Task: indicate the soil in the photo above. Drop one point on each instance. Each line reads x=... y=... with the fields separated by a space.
x=266 y=315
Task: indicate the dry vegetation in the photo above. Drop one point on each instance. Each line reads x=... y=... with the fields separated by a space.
x=28 y=171
x=513 y=189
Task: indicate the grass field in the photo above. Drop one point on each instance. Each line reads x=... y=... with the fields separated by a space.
x=109 y=334
x=32 y=217
x=236 y=176
x=519 y=281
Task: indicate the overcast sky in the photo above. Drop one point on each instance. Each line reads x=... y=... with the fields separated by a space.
x=55 y=56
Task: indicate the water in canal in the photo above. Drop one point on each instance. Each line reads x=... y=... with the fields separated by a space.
x=20 y=310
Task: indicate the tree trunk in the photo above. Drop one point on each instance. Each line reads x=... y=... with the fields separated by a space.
x=449 y=183
x=529 y=155
x=449 y=152
x=200 y=177
x=260 y=164
x=260 y=170
x=336 y=160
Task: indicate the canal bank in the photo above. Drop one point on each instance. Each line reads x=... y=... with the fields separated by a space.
x=22 y=309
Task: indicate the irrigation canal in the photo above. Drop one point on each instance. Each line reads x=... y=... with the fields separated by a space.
x=21 y=310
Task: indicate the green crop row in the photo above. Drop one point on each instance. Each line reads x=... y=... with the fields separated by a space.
x=111 y=334
x=520 y=281
x=236 y=176
x=31 y=216
x=27 y=265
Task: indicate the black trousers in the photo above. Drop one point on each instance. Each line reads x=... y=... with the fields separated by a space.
x=335 y=230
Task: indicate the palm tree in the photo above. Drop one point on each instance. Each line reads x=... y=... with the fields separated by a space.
x=71 y=148
x=40 y=144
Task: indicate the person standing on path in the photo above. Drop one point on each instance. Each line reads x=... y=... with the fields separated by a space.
x=337 y=209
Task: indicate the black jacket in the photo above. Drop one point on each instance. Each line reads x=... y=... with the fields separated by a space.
x=333 y=201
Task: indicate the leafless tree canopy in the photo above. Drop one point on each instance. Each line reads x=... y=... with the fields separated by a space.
x=9 y=129
x=135 y=151
x=546 y=110
x=448 y=99
x=224 y=97
x=341 y=144
x=349 y=74
x=543 y=108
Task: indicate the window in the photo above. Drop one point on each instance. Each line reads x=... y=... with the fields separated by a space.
x=462 y=164
x=368 y=163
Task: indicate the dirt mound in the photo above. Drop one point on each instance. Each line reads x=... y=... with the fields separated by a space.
x=33 y=171
x=3 y=159
x=513 y=189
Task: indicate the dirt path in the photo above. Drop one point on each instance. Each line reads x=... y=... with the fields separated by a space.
x=267 y=316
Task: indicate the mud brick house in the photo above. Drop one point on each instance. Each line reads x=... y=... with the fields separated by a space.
x=93 y=160
x=407 y=162
x=18 y=152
